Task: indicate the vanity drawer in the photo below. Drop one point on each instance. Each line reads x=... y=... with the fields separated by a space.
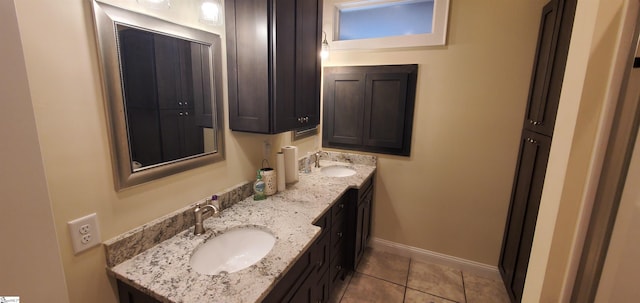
x=337 y=268
x=365 y=188
x=320 y=253
x=338 y=233
x=324 y=221
x=339 y=208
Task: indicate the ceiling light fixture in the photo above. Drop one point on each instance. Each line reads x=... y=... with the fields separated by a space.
x=211 y=12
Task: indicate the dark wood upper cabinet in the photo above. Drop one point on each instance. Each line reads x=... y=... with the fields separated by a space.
x=369 y=108
x=548 y=71
x=273 y=64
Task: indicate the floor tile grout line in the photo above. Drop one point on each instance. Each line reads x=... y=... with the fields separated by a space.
x=406 y=282
x=381 y=279
x=464 y=287
x=434 y=295
x=346 y=287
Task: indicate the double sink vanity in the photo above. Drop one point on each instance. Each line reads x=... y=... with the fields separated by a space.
x=302 y=241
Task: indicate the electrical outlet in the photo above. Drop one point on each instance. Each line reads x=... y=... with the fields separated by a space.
x=84 y=229
x=84 y=232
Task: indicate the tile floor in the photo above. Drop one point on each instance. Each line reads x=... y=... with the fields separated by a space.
x=388 y=278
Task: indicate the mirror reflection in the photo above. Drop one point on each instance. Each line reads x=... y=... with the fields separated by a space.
x=167 y=95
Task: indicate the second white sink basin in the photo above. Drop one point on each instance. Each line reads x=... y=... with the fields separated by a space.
x=337 y=171
x=232 y=251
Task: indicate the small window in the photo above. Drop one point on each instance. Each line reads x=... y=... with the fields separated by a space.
x=372 y=24
x=386 y=20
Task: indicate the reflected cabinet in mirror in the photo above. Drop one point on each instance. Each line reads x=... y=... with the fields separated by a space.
x=162 y=84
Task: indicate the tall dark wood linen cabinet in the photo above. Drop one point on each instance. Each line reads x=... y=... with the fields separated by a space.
x=544 y=95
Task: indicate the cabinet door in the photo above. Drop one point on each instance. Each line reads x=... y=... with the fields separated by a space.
x=523 y=212
x=344 y=108
x=384 y=112
x=548 y=72
x=297 y=65
x=201 y=75
x=248 y=33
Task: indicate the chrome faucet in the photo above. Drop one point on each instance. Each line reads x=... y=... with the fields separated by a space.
x=201 y=210
x=316 y=156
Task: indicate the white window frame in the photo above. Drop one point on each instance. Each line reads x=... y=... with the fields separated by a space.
x=437 y=37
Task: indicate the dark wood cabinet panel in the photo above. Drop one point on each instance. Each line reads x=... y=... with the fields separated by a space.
x=523 y=213
x=548 y=71
x=128 y=294
x=362 y=228
x=166 y=94
x=273 y=64
x=369 y=108
x=344 y=108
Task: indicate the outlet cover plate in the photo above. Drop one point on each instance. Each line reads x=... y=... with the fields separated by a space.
x=84 y=233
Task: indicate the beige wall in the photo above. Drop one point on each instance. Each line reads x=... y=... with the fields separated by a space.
x=451 y=196
x=30 y=265
x=65 y=86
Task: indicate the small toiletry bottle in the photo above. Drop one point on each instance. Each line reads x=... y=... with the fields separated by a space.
x=259 y=188
x=306 y=168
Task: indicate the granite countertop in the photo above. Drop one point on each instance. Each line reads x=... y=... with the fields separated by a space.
x=163 y=271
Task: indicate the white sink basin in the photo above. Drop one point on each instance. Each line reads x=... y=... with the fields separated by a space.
x=232 y=251
x=337 y=171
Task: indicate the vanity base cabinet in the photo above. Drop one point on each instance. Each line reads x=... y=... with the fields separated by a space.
x=129 y=294
x=299 y=283
x=362 y=228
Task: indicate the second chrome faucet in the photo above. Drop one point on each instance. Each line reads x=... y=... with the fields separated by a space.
x=199 y=211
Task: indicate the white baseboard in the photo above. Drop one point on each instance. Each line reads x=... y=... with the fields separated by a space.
x=434 y=257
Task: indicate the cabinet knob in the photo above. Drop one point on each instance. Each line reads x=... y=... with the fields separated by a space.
x=306 y=119
x=180 y=113
x=532 y=141
x=341 y=205
x=180 y=103
x=186 y=113
x=339 y=234
x=185 y=103
x=339 y=267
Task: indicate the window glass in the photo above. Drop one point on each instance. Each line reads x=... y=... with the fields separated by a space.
x=386 y=20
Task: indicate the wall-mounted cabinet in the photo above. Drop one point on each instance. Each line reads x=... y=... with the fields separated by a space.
x=369 y=108
x=273 y=64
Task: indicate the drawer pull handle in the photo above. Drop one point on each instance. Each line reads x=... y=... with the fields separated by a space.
x=339 y=267
x=341 y=205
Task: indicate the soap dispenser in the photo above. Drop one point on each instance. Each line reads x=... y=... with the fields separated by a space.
x=259 y=188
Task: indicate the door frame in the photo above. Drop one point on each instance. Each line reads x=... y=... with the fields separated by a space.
x=611 y=182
